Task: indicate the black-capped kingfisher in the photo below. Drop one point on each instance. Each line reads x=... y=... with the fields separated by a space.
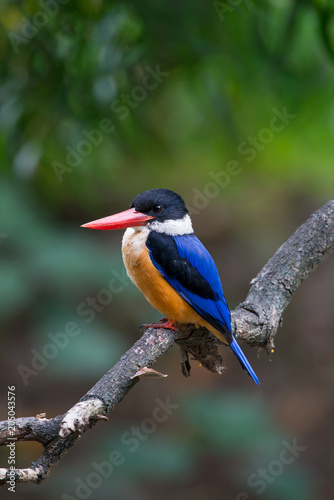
x=171 y=267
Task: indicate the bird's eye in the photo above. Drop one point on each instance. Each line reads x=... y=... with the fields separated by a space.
x=157 y=209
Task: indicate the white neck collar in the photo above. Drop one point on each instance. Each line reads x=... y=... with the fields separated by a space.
x=172 y=227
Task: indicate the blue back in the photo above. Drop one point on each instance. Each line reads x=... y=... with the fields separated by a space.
x=188 y=267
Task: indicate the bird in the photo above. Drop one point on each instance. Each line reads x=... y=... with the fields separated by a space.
x=171 y=267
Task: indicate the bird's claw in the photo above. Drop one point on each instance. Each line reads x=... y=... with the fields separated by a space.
x=163 y=323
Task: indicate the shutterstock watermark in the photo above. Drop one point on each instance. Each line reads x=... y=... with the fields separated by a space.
x=131 y=441
x=248 y=148
x=121 y=106
x=30 y=27
x=260 y=479
x=58 y=341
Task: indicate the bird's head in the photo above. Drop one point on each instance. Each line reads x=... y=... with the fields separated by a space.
x=159 y=210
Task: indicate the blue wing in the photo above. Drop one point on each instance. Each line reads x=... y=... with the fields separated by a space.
x=214 y=310
x=189 y=268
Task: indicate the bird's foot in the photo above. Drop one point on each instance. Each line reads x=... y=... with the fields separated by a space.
x=163 y=323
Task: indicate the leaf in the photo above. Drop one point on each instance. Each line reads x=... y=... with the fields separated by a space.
x=148 y=372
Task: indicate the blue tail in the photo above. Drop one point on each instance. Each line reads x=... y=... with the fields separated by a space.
x=243 y=360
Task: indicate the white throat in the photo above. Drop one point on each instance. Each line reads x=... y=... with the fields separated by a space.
x=135 y=237
x=172 y=227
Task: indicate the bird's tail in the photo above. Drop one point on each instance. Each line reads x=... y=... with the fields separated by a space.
x=243 y=360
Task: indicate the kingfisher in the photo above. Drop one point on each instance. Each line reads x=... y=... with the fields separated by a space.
x=171 y=267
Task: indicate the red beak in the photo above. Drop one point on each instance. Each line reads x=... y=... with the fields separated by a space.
x=129 y=218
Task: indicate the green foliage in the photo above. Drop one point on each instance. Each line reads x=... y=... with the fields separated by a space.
x=66 y=78
x=236 y=424
x=231 y=422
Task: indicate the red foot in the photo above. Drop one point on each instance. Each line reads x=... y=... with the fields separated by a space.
x=163 y=323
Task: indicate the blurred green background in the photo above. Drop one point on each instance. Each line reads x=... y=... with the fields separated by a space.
x=229 y=104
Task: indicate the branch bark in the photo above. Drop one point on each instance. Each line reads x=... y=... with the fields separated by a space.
x=255 y=321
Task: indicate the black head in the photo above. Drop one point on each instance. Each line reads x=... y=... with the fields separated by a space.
x=162 y=204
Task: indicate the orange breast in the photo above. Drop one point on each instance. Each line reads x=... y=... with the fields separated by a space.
x=159 y=293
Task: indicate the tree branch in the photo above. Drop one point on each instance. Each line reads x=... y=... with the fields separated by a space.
x=255 y=321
